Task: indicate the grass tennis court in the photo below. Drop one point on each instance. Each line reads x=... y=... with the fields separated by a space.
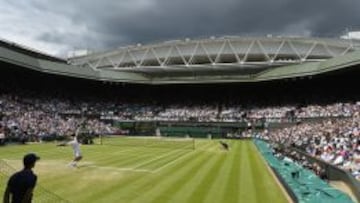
x=151 y=174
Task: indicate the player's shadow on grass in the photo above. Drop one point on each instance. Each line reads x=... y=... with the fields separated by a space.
x=86 y=165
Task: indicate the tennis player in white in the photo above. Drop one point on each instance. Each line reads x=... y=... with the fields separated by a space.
x=77 y=153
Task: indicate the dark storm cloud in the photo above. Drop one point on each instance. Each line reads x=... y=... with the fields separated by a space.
x=109 y=24
x=164 y=19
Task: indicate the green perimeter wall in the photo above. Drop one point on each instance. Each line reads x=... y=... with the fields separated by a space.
x=181 y=129
x=305 y=186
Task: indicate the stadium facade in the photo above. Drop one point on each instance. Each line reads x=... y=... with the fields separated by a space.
x=213 y=60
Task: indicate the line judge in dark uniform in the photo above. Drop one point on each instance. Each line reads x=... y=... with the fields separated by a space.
x=21 y=184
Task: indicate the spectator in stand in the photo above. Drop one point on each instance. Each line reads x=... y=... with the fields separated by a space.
x=334 y=141
x=2 y=135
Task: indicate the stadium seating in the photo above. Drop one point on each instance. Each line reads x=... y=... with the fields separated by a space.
x=306 y=186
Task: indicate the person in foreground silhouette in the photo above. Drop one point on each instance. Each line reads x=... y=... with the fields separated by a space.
x=21 y=184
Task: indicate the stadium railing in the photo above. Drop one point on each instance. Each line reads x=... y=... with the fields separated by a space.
x=304 y=184
x=334 y=173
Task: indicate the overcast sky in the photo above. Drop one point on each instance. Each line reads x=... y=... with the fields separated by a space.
x=57 y=27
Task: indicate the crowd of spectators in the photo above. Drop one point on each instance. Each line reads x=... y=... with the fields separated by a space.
x=36 y=115
x=288 y=155
x=34 y=119
x=218 y=113
x=336 y=141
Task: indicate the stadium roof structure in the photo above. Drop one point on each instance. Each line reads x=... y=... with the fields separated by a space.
x=213 y=60
x=29 y=51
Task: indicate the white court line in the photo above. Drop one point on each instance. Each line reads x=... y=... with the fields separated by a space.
x=120 y=169
x=171 y=162
x=152 y=160
x=85 y=165
x=176 y=160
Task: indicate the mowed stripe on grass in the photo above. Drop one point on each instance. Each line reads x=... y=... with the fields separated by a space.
x=206 y=174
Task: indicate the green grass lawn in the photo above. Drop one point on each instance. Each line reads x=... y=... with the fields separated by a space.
x=148 y=174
